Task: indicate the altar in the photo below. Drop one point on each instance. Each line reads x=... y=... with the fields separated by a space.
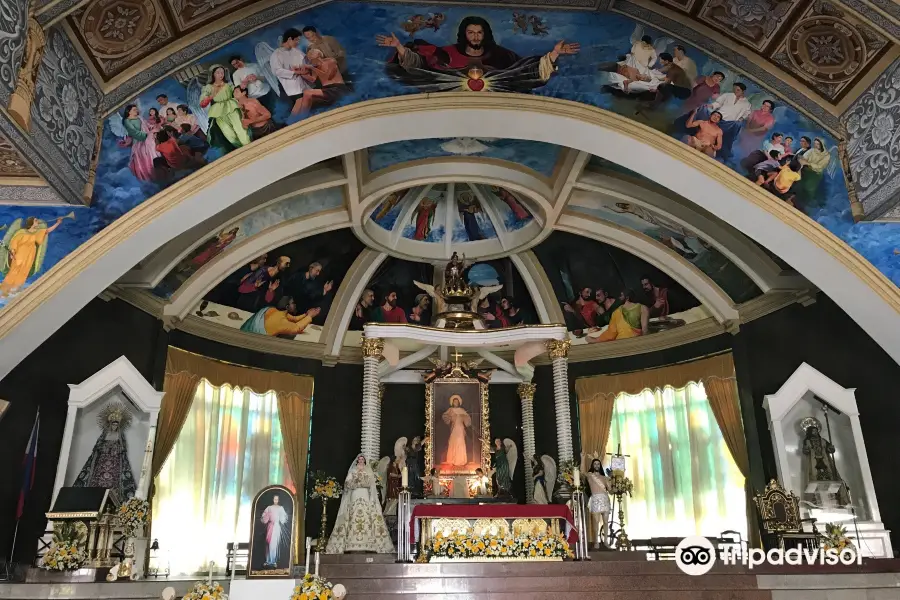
x=491 y=520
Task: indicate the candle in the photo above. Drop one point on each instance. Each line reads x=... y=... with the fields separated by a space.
x=404 y=477
x=308 y=546
x=211 y=567
x=317 y=564
x=234 y=549
x=576 y=476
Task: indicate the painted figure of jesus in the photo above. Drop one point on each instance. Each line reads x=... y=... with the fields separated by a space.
x=276 y=520
x=458 y=419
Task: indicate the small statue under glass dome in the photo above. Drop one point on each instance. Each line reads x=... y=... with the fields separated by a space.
x=819 y=464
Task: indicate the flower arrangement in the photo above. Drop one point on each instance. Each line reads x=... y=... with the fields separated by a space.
x=500 y=547
x=66 y=552
x=203 y=590
x=836 y=538
x=324 y=487
x=619 y=485
x=133 y=516
x=313 y=587
x=567 y=472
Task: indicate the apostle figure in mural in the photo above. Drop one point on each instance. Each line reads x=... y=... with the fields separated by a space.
x=360 y=526
x=818 y=459
x=226 y=131
x=458 y=420
x=278 y=532
x=22 y=252
x=475 y=62
x=108 y=466
x=629 y=320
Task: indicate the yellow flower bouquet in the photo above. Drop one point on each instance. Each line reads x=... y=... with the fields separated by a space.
x=499 y=547
x=325 y=487
x=67 y=551
x=203 y=590
x=313 y=587
x=132 y=516
x=619 y=485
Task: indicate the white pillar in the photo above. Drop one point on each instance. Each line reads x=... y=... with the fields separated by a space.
x=559 y=354
x=526 y=394
x=371 y=410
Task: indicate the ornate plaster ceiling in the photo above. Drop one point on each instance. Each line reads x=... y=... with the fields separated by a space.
x=828 y=47
x=11 y=162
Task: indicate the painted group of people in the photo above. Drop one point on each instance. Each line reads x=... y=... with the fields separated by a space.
x=793 y=173
x=624 y=316
x=389 y=311
x=164 y=141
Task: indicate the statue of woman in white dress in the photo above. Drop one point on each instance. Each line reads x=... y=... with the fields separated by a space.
x=360 y=526
x=458 y=419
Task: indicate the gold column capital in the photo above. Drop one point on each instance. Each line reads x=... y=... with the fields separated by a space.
x=526 y=390
x=20 y=100
x=372 y=347
x=558 y=348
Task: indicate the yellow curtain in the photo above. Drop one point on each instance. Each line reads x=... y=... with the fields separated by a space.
x=596 y=397
x=185 y=370
x=294 y=412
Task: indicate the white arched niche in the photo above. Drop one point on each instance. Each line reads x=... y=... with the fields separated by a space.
x=121 y=382
x=805 y=394
x=867 y=296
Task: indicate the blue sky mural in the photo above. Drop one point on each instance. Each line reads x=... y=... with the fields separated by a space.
x=386 y=51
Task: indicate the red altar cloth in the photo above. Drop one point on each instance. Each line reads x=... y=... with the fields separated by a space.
x=493 y=511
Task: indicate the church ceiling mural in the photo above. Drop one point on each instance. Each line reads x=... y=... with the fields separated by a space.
x=351 y=52
x=286 y=292
x=248 y=226
x=11 y=162
x=608 y=294
x=433 y=221
x=537 y=156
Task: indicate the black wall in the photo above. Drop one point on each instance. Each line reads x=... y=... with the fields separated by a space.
x=99 y=334
x=823 y=336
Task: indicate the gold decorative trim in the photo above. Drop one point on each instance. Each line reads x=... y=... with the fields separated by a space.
x=106 y=241
x=558 y=348
x=526 y=391
x=372 y=347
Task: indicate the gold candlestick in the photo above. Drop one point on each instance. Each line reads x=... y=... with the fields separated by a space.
x=323 y=526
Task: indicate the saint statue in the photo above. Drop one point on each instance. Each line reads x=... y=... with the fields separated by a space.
x=278 y=532
x=819 y=452
x=504 y=458
x=599 y=504
x=360 y=526
x=457 y=295
x=458 y=419
x=108 y=465
x=544 y=473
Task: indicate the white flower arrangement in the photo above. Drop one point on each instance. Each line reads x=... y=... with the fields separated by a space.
x=67 y=551
x=203 y=590
x=133 y=516
x=491 y=546
x=313 y=587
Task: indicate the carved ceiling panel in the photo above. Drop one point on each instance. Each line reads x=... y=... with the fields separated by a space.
x=118 y=33
x=754 y=23
x=11 y=162
x=189 y=14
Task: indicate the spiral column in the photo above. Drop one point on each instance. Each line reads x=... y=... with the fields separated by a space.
x=371 y=402
x=559 y=354
x=526 y=395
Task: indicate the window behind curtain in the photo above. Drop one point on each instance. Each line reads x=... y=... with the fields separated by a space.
x=230 y=448
x=685 y=481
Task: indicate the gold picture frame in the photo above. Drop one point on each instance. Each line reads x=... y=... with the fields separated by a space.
x=473 y=392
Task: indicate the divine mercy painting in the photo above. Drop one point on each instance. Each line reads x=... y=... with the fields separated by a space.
x=272 y=533
x=455 y=426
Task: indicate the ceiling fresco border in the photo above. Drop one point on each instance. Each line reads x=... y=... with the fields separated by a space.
x=51 y=13
x=889 y=24
x=29 y=194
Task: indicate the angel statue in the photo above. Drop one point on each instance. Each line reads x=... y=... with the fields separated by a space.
x=108 y=466
x=504 y=457
x=636 y=73
x=456 y=295
x=598 y=504
x=390 y=472
x=360 y=526
x=544 y=474
x=22 y=251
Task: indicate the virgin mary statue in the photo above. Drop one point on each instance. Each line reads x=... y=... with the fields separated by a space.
x=108 y=465
x=360 y=526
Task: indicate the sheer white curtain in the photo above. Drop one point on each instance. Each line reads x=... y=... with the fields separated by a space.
x=685 y=481
x=230 y=448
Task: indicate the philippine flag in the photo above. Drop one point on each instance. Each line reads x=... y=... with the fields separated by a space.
x=29 y=463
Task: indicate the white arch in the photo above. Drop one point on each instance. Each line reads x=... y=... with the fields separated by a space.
x=868 y=297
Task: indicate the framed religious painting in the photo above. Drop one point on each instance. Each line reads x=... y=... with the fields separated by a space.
x=272 y=533
x=457 y=423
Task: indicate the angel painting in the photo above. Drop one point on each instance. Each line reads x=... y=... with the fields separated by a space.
x=135 y=132
x=637 y=72
x=226 y=130
x=418 y=22
x=469 y=209
x=473 y=62
x=22 y=251
x=504 y=456
x=544 y=473
x=423 y=218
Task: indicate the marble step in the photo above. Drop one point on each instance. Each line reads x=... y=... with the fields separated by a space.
x=590 y=595
x=547 y=584
x=515 y=569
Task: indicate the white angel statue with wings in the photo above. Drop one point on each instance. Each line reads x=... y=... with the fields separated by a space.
x=544 y=473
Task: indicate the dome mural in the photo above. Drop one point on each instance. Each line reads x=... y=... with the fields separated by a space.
x=476 y=220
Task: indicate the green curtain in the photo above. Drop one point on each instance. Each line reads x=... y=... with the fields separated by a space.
x=685 y=479
x=230 y=447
